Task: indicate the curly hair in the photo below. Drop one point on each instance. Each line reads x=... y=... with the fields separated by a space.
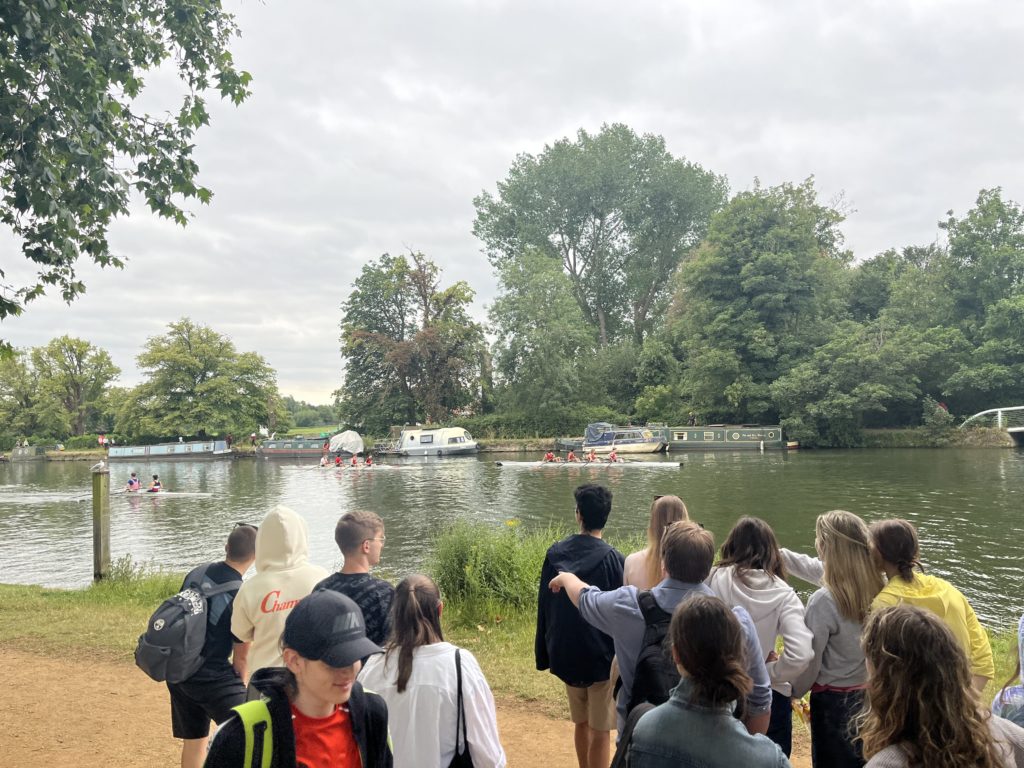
x=919 y=693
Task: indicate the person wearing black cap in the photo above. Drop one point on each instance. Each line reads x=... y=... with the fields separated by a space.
x=312 y=713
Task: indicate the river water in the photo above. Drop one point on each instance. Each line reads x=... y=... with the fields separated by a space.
x=967 y=504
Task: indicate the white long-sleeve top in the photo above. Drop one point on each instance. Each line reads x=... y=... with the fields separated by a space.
x=422 y=717
x=777 y=612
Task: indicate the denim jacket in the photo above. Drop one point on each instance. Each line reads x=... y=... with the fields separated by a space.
x=681 y=734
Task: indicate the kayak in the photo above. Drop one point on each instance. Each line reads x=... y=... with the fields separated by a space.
x=590 y=464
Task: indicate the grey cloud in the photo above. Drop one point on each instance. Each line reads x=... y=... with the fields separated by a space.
x=372 y=126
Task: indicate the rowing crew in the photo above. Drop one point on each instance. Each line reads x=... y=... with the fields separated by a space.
x=591 y=456
x=339 y=464
x=135 y=485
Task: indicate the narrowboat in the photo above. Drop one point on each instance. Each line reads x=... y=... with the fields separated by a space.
x=343 y=444
x=190 y=450
x=428 y=441
x=725 y=437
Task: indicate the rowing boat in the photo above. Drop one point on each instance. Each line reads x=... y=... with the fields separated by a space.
x=154 y=494
x=590 y=464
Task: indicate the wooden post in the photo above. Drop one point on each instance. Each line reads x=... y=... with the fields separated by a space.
x=100 y=521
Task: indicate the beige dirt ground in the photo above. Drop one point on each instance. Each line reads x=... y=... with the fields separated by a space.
x=83 y=713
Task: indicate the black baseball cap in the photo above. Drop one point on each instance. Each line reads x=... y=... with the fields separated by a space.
x=328 y=626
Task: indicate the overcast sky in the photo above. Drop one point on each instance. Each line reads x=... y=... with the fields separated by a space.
x=372 y=126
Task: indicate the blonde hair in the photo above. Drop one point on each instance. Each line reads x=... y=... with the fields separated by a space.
x=919 y=693
x=844 y=543
x=664 y=511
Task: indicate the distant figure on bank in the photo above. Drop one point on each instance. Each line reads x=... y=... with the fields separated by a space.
x=643 y=569
x=156 y=485
x=284 y=576
x=921 y=708
x=419 y=679
x=577 y=653
x=315 y=709
x=696 y=726
x=750 y=573
x=134 y=483
x=217 y=685
x=1009 y=702
x=897 y=554
x=360 y=537
x=687 y=552
x=835 y=615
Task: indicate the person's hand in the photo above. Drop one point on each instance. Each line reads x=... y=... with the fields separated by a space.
x=558 y=582
x=772 y=656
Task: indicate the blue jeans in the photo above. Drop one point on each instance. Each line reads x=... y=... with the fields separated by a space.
x=780 y=724
x=832 y=743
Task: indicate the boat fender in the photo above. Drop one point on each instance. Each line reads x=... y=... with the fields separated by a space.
x=439 y=452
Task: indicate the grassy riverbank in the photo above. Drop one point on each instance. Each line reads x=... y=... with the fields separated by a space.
x=487 y=576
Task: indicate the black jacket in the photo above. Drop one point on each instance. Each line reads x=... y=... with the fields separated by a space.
x=369 y=716
x=573 y=650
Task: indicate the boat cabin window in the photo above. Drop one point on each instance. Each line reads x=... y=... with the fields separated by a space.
x=426 y=438
x=467 y=435
x=452 y=440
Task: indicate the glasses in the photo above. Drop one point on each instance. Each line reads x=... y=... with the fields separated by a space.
x=381 y=539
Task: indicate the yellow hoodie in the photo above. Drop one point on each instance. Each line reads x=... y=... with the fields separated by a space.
x=945 y=601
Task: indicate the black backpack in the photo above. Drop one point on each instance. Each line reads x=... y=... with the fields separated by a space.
x=655 y=674
x=171 y=649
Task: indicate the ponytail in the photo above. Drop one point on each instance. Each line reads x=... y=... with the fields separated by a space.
x=415 y=621
x=895 y=542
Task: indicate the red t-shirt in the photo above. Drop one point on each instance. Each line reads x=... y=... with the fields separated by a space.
x=325 y=742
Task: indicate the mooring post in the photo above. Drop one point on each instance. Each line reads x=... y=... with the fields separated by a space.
x=100 y=521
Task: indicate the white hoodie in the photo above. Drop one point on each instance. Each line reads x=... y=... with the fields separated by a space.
x=777 y=611
x=284 y=576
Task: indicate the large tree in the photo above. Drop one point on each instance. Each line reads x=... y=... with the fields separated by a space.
x=197 y=383
x=74 y=140
x=411 y=350
x=616 y=210
x=761 y=292
x=19 y=386
x=542 y=337
x=73 y=376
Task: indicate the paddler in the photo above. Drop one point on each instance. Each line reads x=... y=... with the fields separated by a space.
x=355 y=460
x=337 y=462
x=592 y=456
x=368 y=461
x=323 y=460
x=134 y=483
x=156 y=486
x=571 y=456
x=613 y=456
x=549 y=456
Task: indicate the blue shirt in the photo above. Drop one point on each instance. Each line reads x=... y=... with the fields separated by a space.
x=681 y=733
x=617 y=613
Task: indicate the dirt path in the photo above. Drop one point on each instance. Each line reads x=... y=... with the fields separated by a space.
x=91 y=714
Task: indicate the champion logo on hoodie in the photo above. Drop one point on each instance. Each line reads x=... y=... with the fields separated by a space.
x=271 y=604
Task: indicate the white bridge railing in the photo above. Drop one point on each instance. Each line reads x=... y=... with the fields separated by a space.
x=1002 y=418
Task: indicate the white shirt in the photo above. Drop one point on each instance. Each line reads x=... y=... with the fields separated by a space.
x=422 y=718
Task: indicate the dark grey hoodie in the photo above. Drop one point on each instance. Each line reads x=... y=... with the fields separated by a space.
x=573 y=650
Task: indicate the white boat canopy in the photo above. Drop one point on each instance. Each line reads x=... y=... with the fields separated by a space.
x=349 y=441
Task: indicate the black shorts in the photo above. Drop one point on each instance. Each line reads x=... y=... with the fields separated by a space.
x=197 y=701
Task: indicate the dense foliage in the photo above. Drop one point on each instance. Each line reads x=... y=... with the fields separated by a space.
x=411 y=351
x=73 y=140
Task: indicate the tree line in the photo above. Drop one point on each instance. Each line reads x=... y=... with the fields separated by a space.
x=632 y=287
x=195 y=384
